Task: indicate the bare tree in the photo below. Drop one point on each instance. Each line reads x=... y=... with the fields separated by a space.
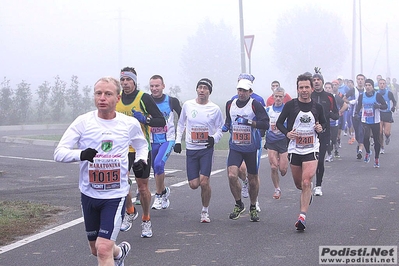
x=57 y=101
x=21 y=103
x=87 y=99
x=6 y=102
x=306 y=38
x=73 y=98
x=42 y=108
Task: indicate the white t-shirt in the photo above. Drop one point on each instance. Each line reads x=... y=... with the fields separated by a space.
x=199 y=121
x=107 y=177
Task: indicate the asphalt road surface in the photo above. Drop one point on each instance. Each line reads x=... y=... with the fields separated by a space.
x=359 y=207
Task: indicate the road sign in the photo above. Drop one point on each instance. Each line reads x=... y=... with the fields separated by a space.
x=249 y=40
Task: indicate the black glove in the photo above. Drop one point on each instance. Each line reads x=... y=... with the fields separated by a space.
x=139 y=168
x=393 y=109
x=211 y=142
x=88 y=154
x=376 y=105
x=177 y=148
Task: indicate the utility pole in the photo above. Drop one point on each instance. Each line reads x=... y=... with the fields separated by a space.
x=354 y=40
x=243 y=68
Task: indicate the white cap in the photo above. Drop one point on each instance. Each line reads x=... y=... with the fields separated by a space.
x=244 y=84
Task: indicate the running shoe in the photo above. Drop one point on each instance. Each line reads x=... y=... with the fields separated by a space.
x=128 y=220
x=339 y=142
x=146 y=229
x=244 y=189
x=205 y=217
x=329 y=158
x=137 y=202
x=157 y=205
x=300 y=224
x=237 y=211
x=257 y=206
x=382 y=151
x=277 y=194
x=253 y=213
x=125 y=247
x=336 y=154
x=387 y=140
x=165 y=198
x=367 y=158
x=377 y=163
x=359 y=155
x=317 y=191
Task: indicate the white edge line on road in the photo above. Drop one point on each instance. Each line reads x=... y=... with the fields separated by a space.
x=40 y=235
x=61 y=227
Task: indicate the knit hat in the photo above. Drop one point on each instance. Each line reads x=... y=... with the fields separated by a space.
x=246 y=76
x=207 y=82
x=369 y=81
x=319 y=76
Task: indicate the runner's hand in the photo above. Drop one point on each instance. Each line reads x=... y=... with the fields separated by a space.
x=139 y=168
x=211 y=142
x=177 y=148
x=88 y=154
x=139 y=116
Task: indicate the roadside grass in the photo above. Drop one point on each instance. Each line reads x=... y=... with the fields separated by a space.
x=21 y=218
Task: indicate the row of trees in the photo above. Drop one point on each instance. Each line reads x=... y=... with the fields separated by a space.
x=50 y=103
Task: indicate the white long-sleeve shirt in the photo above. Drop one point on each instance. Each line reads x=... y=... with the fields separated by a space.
x=107 y=176
x=199 y=121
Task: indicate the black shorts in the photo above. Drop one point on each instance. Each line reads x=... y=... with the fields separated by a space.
x=280 y=146
x=386 y=117
x=298 y=159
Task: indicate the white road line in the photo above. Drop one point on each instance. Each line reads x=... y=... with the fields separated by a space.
x=29 y=159
x=61 y=227
x=40 y=235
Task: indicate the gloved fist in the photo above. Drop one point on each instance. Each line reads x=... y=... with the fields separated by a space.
x=243 y=121
x=225 y=128
x=376 y=105
x=139 y=168
x=88 y=154
x=393 y=109
x=177 y=148
x=139 y=116
x=211 y=142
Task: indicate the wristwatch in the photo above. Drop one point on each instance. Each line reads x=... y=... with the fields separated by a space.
x=148 y=120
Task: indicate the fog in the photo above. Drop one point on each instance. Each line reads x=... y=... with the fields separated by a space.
x=42 y=39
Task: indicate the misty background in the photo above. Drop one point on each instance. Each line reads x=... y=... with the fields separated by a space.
x=52 y=52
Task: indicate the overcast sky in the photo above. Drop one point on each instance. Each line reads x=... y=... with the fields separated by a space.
x=41 y=39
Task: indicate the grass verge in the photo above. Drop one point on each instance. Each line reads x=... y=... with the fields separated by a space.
x=20 y=218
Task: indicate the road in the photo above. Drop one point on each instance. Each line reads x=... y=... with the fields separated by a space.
x=359 y=207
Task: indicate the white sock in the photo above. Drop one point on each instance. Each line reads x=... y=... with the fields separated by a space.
x=120 y=254
x=205 y=209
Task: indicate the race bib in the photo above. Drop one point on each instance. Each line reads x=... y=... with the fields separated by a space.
x=105 y=173
x=241 y=135
x=305 y=139
x=159 y=130
x=199 y=134
x=368 y=112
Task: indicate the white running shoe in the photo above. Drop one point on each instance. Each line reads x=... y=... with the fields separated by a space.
x=205 y=217
x=146 y=229
x=128 y=220
x=317 y=191
x=165 y=199
x=257 y=206
x=244 y=189
x=157 y=205
x=125 y=247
